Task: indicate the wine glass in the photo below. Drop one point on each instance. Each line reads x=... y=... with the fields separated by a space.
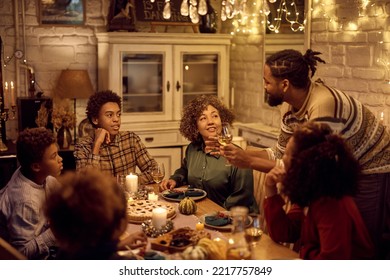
x=253 y=233
x=158 y=173
x=225 y=137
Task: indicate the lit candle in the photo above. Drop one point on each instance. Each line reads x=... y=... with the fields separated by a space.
x=152 y=196
x=12 y=94
x=132 y=183
x=159 y=217
x=199 y=226
x=6 y=95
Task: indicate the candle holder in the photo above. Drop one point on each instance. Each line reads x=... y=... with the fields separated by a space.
x=153 y=232
x=5 y=115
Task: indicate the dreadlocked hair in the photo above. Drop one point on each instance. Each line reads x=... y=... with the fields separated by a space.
x=322 y=165
x=292 y=65
x=194 y=109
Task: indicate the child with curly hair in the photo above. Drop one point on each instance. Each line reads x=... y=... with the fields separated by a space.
x=21 y=201
x=320 y=177
x=110 y=150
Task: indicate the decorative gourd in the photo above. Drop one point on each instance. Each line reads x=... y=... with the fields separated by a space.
x=214 y=248
x=195 y=253
x=187 y=206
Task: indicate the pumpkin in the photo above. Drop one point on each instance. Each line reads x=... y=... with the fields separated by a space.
x=187 y=206
x=195 y=253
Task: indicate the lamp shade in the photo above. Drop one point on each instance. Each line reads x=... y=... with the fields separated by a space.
x=74 y=84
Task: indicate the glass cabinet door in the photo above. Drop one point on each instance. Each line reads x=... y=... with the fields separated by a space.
x=200 y=75
x=142 y=76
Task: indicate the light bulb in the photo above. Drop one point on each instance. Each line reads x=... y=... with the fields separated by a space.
x=184 y=8
x=272 y=1
x=202 y=9
x=167 y=10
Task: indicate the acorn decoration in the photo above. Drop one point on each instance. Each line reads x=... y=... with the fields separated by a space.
x=187 y=206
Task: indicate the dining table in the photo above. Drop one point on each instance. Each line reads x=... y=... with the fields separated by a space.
x=265 y=249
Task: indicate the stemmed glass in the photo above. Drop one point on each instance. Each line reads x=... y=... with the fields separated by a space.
x=158 y=173
x=253 y=233
x=225 y=137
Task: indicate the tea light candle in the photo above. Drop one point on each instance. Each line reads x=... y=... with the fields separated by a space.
x=199 y=226
x=159 y=217
x=152 y=196
x=132 y=183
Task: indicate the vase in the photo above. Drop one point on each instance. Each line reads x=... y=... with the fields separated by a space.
x=208 y=22
x=64 y=138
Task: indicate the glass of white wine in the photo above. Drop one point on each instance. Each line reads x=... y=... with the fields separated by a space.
x=158 y=173
x=253 y=233
x=225 y=137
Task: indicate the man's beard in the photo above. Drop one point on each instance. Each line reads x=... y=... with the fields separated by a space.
x=274 y=101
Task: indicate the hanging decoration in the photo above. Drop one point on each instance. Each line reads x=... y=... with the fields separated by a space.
x=191 y=8
x=287 y=11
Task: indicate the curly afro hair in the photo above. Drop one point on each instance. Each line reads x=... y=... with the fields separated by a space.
x=96 y=102
x=194 y=109
x=322 y=165
x=32 y=144
x=90 y=201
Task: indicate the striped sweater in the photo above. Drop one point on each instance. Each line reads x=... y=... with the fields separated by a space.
x=368 y=138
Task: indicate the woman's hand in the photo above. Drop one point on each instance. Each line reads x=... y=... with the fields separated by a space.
x=167 y=184
x=272 y=178
x=133 y=241
x=212 y=146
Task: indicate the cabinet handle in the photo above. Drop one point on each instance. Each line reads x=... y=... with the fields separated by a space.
x=178 y=86
x=149 y=139
x=168 y=86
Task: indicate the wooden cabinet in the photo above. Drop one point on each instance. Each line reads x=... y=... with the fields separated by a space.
x=156 y=75
x=257 y=134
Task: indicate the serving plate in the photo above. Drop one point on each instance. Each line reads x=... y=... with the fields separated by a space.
x=227 y=227
x=183 y=189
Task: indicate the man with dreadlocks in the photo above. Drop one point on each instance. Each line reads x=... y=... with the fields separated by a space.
x=287 y=82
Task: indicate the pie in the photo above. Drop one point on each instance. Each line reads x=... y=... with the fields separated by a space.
x=141 y=210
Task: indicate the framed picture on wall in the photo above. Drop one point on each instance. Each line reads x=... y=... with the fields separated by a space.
x=62 y=12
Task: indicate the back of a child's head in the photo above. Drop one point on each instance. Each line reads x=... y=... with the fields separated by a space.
x=32 y=144
x=88 y=210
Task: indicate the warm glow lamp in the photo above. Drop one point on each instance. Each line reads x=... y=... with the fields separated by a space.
x=74 y=84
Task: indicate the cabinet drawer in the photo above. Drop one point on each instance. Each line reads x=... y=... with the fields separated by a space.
x=258 y=139
x=159 y=139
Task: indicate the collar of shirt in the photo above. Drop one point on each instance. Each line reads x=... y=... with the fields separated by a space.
x=201 y=147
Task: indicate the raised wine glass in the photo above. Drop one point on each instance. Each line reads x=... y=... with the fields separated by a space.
x=158 y=173
x=225 y=137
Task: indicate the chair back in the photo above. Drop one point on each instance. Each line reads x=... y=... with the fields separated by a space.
x=7 y=252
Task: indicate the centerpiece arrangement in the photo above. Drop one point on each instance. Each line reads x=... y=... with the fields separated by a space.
x=64 y=120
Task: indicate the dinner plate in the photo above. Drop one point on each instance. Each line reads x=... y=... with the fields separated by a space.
x=227 y=227
x=195 y=198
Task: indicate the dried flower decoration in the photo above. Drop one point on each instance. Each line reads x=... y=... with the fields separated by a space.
x=63 y=116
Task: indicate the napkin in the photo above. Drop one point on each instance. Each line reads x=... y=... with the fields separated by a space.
x=216 y=220
x=180 y=195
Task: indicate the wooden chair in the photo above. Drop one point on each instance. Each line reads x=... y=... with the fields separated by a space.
x=7 y=252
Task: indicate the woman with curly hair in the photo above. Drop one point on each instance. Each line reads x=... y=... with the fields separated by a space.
x=110 y=150
x=320 y=177
x=226 y=185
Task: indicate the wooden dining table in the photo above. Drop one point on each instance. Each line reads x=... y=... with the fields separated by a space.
x=265 y=249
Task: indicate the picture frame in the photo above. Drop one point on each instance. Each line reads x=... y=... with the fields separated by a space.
x=62 y=12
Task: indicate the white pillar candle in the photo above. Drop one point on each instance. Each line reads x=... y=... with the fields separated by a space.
x=132 y=183
x=159 y=217
x=152 y=196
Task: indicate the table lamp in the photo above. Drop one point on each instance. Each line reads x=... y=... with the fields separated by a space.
x=74 y=84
